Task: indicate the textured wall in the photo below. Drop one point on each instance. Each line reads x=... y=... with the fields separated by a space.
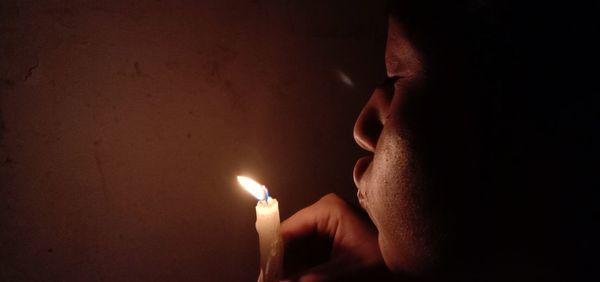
x=124 y=123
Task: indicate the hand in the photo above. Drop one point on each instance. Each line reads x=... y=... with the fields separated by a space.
x=332 y=241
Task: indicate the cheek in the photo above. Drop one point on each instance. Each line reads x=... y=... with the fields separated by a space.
x=396 y=204
x=390 y=181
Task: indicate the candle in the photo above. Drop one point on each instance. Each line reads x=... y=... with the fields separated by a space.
x=267 y=226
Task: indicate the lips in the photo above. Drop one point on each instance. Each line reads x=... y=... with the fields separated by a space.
x=359 y=169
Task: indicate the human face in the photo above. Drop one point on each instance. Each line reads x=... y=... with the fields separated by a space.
x=418 y=140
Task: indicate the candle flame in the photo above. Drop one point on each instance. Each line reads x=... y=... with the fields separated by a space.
x=256 y=189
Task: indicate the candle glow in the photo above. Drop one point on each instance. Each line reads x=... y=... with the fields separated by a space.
x=267 y=226
x=256 y=189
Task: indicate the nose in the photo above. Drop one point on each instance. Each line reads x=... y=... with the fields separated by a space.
x=372 y=118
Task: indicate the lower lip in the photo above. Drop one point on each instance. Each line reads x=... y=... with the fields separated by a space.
x=360 y=167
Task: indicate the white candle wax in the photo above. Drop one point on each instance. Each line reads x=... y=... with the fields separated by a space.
x=267 y=226
x=271 y=245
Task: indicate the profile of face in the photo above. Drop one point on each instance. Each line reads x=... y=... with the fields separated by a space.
x=418 y=177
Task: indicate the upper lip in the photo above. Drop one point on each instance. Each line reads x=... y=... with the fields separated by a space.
x=360 y=168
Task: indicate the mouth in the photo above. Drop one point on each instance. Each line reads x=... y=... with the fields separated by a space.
x=360 y=168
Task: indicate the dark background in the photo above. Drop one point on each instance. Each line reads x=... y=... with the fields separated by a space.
x=124 y=124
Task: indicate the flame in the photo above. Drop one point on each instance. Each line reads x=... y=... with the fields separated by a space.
x=256 y=189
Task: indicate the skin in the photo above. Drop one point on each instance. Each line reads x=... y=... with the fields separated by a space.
x=461 y=178
x=352 y=252
x=409 y=184
x=389 y=182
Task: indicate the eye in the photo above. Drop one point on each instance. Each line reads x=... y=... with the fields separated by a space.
x=389 y=86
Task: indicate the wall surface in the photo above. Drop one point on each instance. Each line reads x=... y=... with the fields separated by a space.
x=124 y=123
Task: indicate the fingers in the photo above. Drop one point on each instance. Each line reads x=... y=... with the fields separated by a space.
x=319 y=218
x=325 y=272
x=329 y=241
x=309 y=235
x=347 y=271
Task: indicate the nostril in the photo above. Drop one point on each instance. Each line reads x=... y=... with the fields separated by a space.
x=367 y=129
x=372 y=118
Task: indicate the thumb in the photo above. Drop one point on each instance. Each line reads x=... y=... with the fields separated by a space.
x=319 y=218
x=308 y=236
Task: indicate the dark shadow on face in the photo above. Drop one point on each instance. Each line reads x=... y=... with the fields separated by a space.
x=458 y=182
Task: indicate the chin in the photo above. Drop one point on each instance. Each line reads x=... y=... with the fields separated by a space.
x=408 y=261
x=410 y=243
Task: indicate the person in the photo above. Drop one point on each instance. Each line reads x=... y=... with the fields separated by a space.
x=450 y=188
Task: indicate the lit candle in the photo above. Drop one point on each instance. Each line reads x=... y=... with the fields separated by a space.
x=267 y=226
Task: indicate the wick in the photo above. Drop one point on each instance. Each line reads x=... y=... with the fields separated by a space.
x=266 y=194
